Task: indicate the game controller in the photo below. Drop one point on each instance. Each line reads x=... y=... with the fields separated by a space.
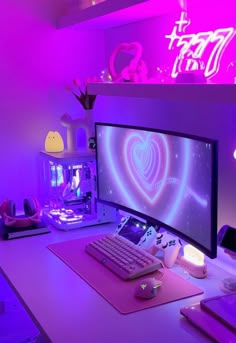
x=170 y=245
x=154 y=241
x=148 y=240
x=131 y=228
x=122 y=223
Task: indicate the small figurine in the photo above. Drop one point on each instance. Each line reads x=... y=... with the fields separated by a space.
x=53 y=142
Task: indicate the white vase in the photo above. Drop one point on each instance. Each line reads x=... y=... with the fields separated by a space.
x=72 y=125
x=89 y=123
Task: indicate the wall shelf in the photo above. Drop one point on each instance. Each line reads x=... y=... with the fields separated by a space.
x=220 y=93
x=111 y=13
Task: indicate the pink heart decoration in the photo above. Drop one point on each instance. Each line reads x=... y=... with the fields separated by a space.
x=147 y=162
x=134 y=62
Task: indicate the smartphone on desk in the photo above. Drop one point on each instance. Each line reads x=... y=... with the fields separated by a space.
x=223 y=308
x=208 y=324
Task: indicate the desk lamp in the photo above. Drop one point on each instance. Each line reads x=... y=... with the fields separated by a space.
x=193 y=262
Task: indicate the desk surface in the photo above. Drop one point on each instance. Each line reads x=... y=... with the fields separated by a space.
x=66 y=309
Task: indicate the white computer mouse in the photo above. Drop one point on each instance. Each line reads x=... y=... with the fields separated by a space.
x=147 y=288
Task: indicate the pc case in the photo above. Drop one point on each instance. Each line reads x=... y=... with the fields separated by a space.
x=69 y=191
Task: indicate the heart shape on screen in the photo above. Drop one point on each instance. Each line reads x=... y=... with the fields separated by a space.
x=146 y=159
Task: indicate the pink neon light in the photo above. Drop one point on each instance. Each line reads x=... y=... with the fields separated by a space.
x=193 y=46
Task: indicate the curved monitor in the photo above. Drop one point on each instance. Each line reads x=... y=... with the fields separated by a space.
x=167 y=178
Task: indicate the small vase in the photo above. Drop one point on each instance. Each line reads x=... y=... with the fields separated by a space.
x=72 y=126
x=89 y=123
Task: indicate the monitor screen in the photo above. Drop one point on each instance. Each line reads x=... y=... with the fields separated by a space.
x=167 y=178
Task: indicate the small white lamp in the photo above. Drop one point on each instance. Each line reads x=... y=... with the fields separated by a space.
x=53 y=142
x=193 y=262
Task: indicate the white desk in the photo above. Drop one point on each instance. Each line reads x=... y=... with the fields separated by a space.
x=67 y=310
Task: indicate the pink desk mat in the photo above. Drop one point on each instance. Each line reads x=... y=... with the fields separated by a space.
x=117 y=292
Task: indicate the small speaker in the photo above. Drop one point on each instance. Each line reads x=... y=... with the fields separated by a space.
x=227 y=238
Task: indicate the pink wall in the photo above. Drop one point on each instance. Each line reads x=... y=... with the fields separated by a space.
x=152 y=34
x=36 y=61
x=214 y=120
x=204 y=119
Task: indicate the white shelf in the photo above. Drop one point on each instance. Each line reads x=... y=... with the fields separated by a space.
x=113 y=13
x=223 y=93
x=69 y=155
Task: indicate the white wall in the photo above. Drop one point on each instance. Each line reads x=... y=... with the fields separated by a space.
x=36 y=61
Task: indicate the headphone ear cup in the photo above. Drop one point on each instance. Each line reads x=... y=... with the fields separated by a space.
x=11 y=208
x=29 y=207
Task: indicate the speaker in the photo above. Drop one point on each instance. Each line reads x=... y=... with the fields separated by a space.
x=227 y=238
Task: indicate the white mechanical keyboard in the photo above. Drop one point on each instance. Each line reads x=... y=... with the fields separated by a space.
x=123 y=257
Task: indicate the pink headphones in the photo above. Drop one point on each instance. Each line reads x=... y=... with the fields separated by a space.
x=31 y=213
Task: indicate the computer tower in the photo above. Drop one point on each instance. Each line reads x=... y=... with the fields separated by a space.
x=68 y=191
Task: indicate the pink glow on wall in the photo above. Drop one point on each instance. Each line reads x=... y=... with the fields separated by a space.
x=206 y=17
x=221 y=12
x=206 y=47
x=36 y=61
x=211 y=15
x=215 y=120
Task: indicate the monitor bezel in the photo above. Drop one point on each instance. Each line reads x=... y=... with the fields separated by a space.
x=212 y=252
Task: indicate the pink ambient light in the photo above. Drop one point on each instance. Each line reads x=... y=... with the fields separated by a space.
x=194 y=46
x=235 y=154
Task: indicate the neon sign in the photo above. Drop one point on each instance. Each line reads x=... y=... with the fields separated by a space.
x=209 y=45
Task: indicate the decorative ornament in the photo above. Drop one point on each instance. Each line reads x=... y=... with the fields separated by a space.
x=72 y=125
x=54 y=142
x=136 y=71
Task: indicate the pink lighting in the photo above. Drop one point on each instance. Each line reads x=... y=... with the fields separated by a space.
x=65 y=216
x=235 y=154
x=204 y=48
